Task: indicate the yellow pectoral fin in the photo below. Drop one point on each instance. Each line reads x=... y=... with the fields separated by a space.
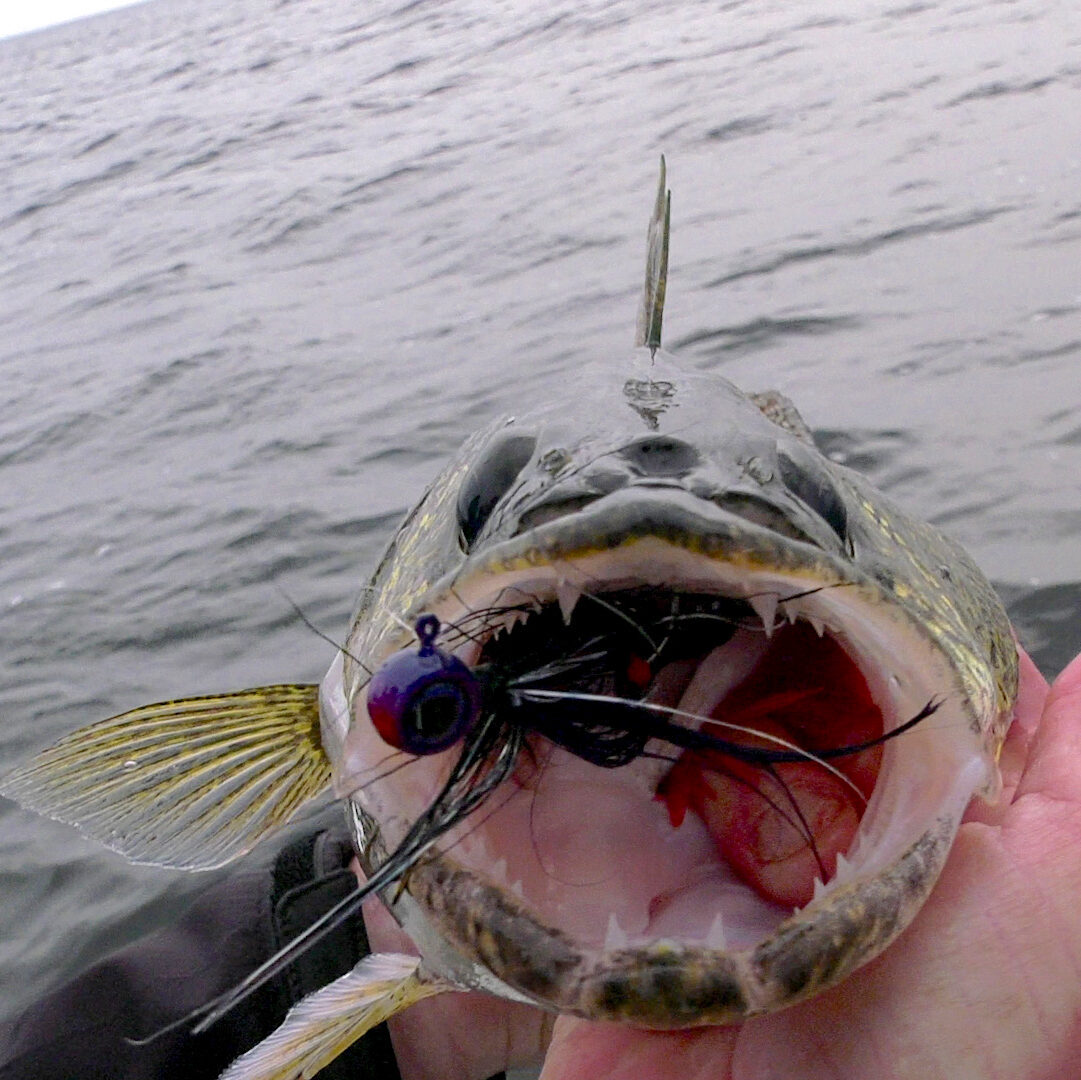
x=324 y=1024
x=191 y=783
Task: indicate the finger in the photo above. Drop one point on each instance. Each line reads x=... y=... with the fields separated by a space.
x=1032 y=693
x=467 y=1035
x=382 y=929
x=1053 y=768
x=1031 y=697
x=586 y=1051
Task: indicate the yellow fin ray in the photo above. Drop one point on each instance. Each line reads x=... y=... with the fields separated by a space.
x=192 y=783
x=323 y=1025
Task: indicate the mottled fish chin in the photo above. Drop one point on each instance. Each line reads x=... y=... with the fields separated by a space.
x=574 y=887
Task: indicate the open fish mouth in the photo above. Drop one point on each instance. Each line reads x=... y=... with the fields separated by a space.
x=623 y=871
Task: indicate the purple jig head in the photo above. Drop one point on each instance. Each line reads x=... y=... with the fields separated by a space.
x=425 y=700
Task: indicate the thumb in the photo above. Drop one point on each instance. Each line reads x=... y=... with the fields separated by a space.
x=1055 y=752
x=580 y=1050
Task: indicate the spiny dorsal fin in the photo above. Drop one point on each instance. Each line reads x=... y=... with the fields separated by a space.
x=192 y=783
x=651 y=312
x=323 y=1025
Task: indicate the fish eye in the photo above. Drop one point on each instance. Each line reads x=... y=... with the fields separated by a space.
x=816 y=492
x=423 y=702
x=489 y=480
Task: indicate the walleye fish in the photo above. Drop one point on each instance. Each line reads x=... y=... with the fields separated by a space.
x=650 y=713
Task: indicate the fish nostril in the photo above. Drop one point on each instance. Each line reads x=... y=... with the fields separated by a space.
x=660 y=455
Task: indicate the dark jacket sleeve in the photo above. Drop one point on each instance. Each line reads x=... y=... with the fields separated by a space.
x=83 y=1030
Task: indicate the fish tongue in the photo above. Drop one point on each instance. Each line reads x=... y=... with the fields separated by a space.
x=581 y=1050
x=778 y=830
x=779 y=827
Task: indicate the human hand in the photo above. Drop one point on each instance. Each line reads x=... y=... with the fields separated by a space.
x=986 y=983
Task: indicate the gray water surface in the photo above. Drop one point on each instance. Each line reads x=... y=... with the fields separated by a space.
x=264 y=265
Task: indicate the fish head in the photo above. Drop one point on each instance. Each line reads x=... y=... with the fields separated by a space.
x=659 y=553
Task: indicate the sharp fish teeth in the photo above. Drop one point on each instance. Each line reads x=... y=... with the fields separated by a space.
x=716 y=939
x=567 y=593
x=818 y=623
x=616 y=936
x=844 y=869
x=819 y=888
x=790 y=613
x=477 y=848
x=765 y=607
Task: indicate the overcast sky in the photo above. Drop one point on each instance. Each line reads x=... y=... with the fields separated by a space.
x=17 y=18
